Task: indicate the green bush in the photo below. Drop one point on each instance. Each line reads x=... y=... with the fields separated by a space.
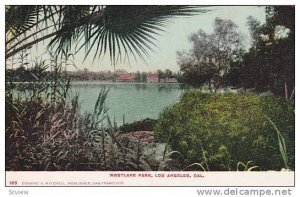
x=220 y=130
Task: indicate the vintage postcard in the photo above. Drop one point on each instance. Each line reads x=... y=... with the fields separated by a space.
x=149 y=95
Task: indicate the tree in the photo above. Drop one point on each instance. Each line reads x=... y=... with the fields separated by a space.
x=161 y=74
x=269 y=65
x=209 y=59
x=168 y=73
x=138 y=76
x=143 y=77
x=118 y=30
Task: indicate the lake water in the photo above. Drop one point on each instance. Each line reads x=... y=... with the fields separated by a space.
x=134 y=101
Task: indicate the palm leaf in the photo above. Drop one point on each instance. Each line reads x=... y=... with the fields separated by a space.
x=281 y=143
x=131 y=29
x=117 y=30
x=20 y=18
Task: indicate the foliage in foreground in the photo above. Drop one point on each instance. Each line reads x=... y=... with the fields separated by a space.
x=221 y=130
x=117 y=30
x=53 y=136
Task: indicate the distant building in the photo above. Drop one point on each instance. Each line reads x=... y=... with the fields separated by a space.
x=119 y=72
x=152 y=78
x=125 y=78
x=162 y=80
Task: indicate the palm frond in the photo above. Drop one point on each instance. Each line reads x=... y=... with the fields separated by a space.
x=118 y=30
x=131 y=29
x=20 y=18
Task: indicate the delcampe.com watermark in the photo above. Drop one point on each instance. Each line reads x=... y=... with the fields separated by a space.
x=245 y=192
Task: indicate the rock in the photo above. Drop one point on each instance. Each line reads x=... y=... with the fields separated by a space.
x=144 y=139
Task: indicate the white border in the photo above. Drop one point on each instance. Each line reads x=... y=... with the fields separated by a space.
x=152 y=2
x=108 y=191
x=152 y=178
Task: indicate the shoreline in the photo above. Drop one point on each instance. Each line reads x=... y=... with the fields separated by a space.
x=94 y=82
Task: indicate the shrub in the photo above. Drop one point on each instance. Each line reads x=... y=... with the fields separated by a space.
x=221 y=130
x=141 y=125
x=41 y=136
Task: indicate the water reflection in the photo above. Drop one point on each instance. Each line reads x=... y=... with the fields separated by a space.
x=140 y=86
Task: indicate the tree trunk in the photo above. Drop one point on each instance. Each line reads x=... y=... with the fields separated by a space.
x=286 y=91
x=293 y=93
x=209 y=86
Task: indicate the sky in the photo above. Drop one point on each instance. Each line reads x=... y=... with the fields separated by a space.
x=175 y=38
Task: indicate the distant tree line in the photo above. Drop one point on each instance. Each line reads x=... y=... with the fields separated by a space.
x=37 y=72
x=141 y=76
x=22 y=74
x=86 y=75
